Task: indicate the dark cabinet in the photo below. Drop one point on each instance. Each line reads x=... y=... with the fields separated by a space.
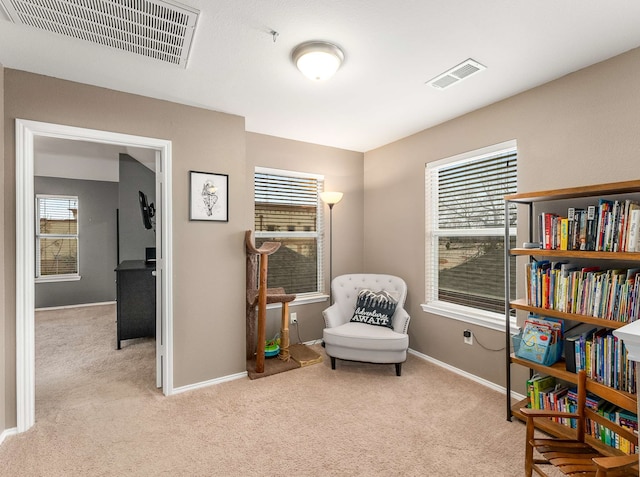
x=136 y=296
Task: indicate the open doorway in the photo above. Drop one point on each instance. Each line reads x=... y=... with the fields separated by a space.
x=26 y=133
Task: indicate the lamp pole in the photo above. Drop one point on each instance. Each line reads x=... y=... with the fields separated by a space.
x=330 y=249
x=331 y=199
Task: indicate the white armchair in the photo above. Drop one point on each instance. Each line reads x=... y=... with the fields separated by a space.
x=354 y=341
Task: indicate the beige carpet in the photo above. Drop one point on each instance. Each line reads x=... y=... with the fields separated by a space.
x=98 y=414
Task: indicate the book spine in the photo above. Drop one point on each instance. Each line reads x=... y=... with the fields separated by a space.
x=564 y=233
x=591 y=227
x=632 y=245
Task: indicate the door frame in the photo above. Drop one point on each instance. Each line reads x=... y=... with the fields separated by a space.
x=26 y=131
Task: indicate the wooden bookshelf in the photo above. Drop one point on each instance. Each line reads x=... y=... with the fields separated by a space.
x=562 y=431
x=596 y=190
x=521 y=304
x=536 y=202
x=591 y=255
x=558 y=370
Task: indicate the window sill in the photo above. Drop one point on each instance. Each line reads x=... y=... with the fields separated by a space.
x=65 y=278
x=486 y=319
x=303 y=299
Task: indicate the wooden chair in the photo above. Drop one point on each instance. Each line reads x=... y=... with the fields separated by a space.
x=576 y=456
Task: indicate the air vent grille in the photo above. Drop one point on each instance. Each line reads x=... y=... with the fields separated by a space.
x=456 y=74
x=157 y=29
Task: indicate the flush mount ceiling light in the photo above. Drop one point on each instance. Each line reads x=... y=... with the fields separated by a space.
x=317 y=60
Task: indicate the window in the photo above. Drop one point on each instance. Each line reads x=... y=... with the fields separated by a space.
x=287 y=210
x=56 y=238
x=465 y=234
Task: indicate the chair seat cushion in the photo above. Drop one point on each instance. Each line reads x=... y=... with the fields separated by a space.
x=362 y=336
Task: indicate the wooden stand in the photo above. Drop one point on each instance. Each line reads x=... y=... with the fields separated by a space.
x=259 y=295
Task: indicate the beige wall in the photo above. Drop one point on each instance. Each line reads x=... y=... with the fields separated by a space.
x=578 y=130
x=342 y=172
x=3 y=313
x=208 y=257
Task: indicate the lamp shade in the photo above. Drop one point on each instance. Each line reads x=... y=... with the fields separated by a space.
x=331 y=198
x=317 y=60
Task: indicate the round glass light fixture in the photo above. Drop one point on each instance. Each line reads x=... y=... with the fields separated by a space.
x=317 y=60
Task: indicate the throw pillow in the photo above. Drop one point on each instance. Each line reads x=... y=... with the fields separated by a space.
x=375 y=308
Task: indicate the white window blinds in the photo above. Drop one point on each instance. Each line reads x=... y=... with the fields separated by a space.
x=465 y=229
x=287 y=211
x=56 y=236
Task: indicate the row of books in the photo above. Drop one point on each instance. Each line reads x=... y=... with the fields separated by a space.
x=610 y=226
x=602 y=355
x=584 y=346
x=609 y=294
x=546 y=392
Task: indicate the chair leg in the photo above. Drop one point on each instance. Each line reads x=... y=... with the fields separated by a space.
x=528 y=453
x=398 y=369
x=333 y=362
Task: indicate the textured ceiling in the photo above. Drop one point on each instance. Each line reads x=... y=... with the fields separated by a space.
x=391 y=49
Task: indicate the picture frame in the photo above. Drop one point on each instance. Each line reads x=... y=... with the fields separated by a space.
x=208 y=196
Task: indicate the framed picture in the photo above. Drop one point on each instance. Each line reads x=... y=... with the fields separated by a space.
x=208 y=196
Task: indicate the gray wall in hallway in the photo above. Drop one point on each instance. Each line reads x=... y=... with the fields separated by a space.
x=97 y=203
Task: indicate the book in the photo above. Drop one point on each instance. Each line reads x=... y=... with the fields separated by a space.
x=582 y=234
x=564 y=233
x=538 y=384
x=578 y=225
x=572 y=339
x=536 y=343
x=591 y=227
x=634 y=224
x=604 y=209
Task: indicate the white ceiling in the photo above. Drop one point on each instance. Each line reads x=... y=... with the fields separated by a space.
x=392 y=48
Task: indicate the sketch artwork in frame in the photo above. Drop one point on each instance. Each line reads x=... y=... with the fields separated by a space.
x=208 y=196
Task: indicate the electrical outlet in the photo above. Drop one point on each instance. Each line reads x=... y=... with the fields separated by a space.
x=293 y=318
x=468 y=337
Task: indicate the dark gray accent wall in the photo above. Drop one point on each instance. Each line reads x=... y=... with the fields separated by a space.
x=134 y=238
x=97 y=204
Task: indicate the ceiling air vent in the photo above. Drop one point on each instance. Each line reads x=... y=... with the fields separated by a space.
x=456 y=74
x=159 y=29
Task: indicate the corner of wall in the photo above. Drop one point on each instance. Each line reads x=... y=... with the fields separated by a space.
x=3 y=315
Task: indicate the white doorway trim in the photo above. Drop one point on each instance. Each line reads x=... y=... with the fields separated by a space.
x=25 y=252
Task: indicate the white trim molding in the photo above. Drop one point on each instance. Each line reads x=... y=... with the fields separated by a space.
x=473 y=377
x=26 y=131
x=211 y=382
x=493 y=321
x=8 y=432
x=80 y=305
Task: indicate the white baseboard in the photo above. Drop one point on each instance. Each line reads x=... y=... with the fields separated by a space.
x=473 y=377
x=223 y=379
x=211 y=382
x=8 y=432
x=81 y=305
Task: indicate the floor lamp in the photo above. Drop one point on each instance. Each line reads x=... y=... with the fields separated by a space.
x=331 y=199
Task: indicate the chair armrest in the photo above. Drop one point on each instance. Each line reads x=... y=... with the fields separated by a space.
x=620 y=462
x=401 y=321
x=533 y=413
x=333 y=317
